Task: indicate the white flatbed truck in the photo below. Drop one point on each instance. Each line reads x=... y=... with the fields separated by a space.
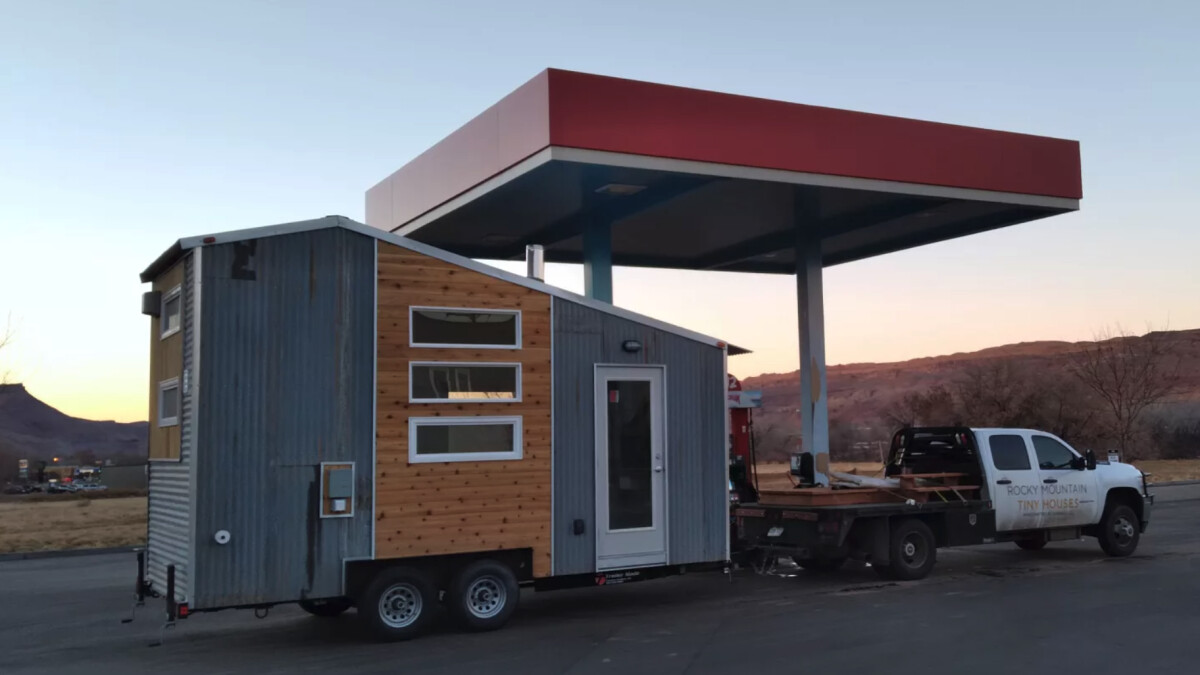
x=1013 y=485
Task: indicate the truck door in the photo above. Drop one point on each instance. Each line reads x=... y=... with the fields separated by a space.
x=1017 y=484
x=1068 y=492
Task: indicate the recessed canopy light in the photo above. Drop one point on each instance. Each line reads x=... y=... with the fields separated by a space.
x=620 y=189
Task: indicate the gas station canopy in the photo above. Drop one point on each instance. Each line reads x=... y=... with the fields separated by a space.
x=691 y=179
x=608 y=172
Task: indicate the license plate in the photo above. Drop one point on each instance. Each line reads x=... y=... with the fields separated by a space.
x=775 y=532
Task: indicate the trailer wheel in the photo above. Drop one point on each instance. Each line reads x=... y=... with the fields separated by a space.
x=821 y=563
x=913 y=551
x=483 y=595
x=326 y=608
x=398 y=604
x=1119 y=533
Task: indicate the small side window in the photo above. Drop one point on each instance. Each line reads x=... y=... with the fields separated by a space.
x=168 y=402
x=169 y=318
x=474 y=328
x=463 y=439
x=1009 y=453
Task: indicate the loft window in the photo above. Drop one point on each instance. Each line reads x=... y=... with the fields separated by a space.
x=463 y=382
x=473 y=328
x=168 y=402
x=169 y=317
x=463 y=439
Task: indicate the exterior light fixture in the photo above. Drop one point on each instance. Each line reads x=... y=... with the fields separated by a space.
x=631 y=346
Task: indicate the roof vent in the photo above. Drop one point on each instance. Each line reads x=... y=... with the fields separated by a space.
x=535 y=262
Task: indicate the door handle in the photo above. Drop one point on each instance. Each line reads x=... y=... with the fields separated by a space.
x=658 y=469
x=1049 y=480
x=1004 y=481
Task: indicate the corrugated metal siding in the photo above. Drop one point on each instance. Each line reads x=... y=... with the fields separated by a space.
x=288 y=382
x=169 y=522
x=697 y=497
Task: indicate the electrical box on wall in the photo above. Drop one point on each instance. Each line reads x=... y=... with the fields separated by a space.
x=337 y=489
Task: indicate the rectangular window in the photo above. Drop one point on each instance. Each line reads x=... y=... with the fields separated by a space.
x=463 y=382
x=1009 y=453
x=463 y=439
x=169 y=317
x=475 y=328
x=168 y=402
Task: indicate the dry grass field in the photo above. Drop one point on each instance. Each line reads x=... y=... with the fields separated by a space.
x=51 y=523
x=70 y=522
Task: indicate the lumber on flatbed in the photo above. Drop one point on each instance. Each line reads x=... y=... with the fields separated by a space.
x=827 y=497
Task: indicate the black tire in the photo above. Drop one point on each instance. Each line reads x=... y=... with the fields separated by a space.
x=326 y=608
x=822 y=564
x=483 y=595
x=1120 y=531
x=912 y=553
x=397 y=605
x=1034 y=544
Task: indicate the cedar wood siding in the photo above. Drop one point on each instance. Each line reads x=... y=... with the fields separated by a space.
x=459 y=507
x=166 y=361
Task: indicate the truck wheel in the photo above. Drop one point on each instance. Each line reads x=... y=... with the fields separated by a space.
x=398 y=604
x=913 y=551
x=326 y=608
x=1119 y=533
x=1035 y=544
x=483 y=595
x=820 y=563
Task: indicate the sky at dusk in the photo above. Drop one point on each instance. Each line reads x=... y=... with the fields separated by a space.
x=125 y=125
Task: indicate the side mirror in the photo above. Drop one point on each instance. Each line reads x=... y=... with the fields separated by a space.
x=1089 y=460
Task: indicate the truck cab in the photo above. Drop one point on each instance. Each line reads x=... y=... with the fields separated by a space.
x=1043 y=489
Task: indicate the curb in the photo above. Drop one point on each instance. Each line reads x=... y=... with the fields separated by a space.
x=68 y=553
x=1174 y=483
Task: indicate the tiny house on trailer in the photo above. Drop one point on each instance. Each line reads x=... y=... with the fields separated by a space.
x=341 y=416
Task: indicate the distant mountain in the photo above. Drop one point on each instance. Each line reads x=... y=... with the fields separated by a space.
x=861 y=393
x=33 y=430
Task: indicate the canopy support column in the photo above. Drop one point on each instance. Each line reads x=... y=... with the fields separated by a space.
x=597 y=260
x=814 y=408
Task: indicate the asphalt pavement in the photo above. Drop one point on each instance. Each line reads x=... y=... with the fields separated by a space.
x=991 y=609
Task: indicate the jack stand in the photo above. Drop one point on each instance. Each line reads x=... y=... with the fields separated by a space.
x=162 y=633
x=141 y=588
x=172 y=607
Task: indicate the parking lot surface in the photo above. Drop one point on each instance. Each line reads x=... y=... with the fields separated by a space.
x=993 y=609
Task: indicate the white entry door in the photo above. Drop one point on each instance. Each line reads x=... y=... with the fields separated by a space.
x=631 y=467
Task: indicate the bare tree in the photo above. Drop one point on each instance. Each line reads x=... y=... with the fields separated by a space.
x=1129 y=374
x=933 y=407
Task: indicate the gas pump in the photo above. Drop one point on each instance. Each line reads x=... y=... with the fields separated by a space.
x=743 y=476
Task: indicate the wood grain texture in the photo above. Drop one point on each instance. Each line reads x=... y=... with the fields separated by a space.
x=166 y=361
x=459 y=507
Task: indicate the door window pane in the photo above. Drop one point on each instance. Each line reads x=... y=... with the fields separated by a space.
x=1009 y=453
x=630 y=455
x=1051 y=454
x=435 y=326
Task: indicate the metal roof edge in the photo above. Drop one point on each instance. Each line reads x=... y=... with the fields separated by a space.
x=186 y=243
